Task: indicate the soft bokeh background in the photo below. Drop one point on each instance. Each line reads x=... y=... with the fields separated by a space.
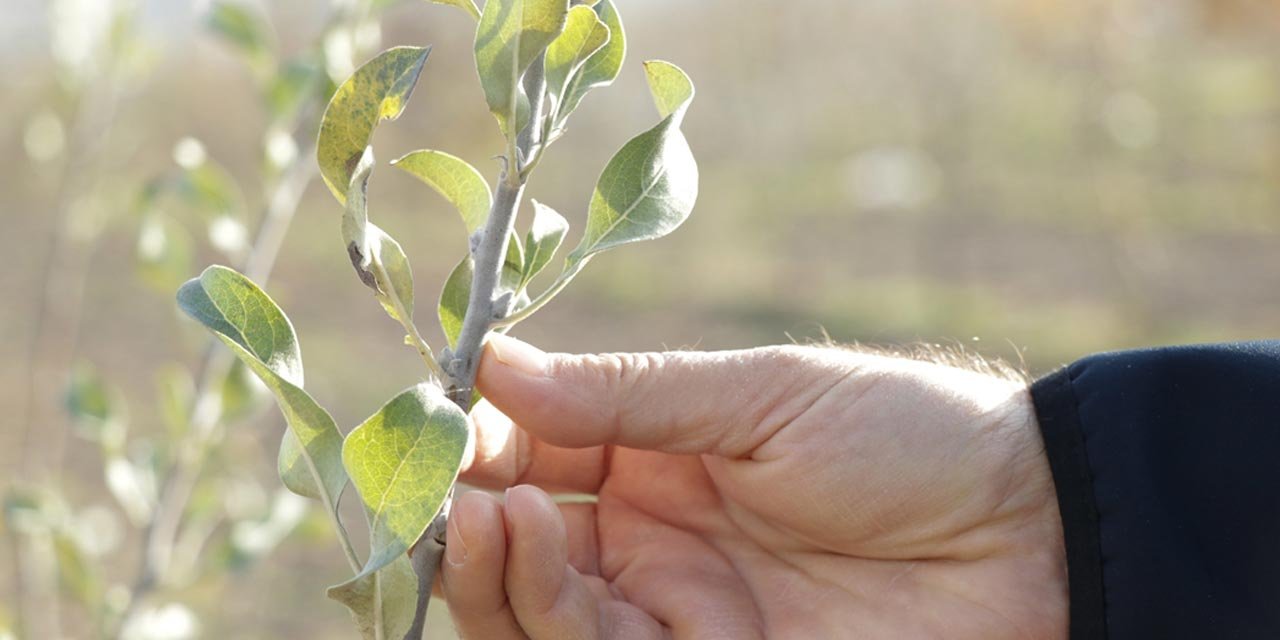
x=1032 y=179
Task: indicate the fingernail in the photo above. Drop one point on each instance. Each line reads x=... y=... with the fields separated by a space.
x=455 y=553
x=521 y=356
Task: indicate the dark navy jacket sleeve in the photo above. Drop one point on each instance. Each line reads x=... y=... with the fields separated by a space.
x=1167 y=467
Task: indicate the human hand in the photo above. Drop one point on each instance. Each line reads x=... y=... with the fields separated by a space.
x=789 y=492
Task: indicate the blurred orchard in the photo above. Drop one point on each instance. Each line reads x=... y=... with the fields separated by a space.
x=1027 y=179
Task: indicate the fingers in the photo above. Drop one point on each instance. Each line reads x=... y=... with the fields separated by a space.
x=550 y=597
x=475 y=559
x=725 y=403
x=506 y=456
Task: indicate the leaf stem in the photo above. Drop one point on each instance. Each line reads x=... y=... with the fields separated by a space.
x=406 y=321
x=571 y=270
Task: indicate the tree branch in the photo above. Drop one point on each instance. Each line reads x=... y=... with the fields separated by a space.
x=489 y=255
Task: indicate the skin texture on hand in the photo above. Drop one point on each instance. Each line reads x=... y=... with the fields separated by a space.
x=781 y=492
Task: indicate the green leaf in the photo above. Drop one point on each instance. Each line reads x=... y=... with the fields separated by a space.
x=77 y=573
x=97 y=408
x=514 y=262
x=377 y=91
x=544 y=238
x=383 y=603
x=649 y=188
x=671 y=88
x=454 y=300
x=466 y=5
x=602 y=67
x=242 y=28
x=455 y=180
x=291 y=86
x=511 y=34
x=88 y=397
x=402 y=461
x=175 y=398
x=455 y=297
x=209 y=188
x=261 y=336
x=584 y=34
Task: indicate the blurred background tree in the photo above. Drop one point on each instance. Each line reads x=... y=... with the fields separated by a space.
x=1033 y=179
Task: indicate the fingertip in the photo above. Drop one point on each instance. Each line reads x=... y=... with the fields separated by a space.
x=538 y=545
x=475 y=553
x=533 y=513
x=472 y=574
x=504 y=358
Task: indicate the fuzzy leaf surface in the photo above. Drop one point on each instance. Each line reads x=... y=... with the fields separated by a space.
x=455 y=180
x=261 y=336
x=455 y=297
x=402 y=461
x=650 y=186
x=603 y=66
x=382 y=603
x=584 y=34
x=544 y=238
x=511 y=34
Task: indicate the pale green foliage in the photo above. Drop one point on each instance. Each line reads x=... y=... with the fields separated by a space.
x=454 y=298
x=671 y=88
x=601 y=68
x=544 y=238
x=260 y=335
x=584 y=34
x=97 y=408
x=377 y=91
x=650 y=186
x=402 y=461
x=511 y=34
x=455 y=180
x=465 y=5
x=243 y=28
x=382 y=603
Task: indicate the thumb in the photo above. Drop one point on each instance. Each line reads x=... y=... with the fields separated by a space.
x=725 y=403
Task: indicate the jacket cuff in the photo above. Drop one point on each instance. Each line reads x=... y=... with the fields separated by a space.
x=1056 y=411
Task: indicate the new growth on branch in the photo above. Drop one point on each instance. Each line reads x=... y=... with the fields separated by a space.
x=536 y=61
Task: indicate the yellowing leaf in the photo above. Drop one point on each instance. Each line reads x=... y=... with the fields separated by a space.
x=377 y=91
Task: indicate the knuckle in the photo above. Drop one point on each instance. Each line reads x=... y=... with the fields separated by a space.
x=614 y=373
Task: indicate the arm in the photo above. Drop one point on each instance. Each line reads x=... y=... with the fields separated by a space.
x=1165 y=466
